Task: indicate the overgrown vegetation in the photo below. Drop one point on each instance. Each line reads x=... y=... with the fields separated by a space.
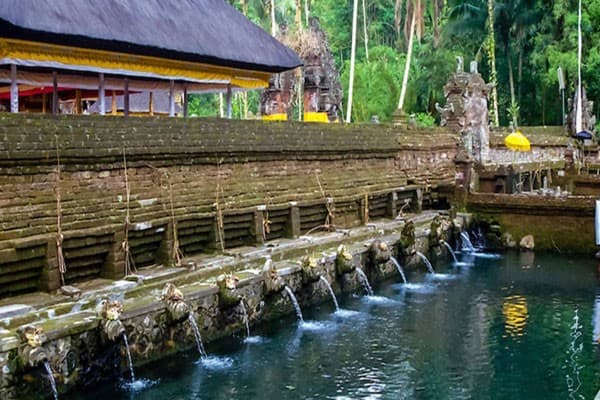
x=530 y=40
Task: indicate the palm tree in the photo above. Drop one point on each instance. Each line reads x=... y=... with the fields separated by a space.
x=491 y=53
x=415 y=12
x=513 y=19
x=352 y=62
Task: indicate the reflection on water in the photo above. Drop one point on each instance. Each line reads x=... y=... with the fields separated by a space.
x=514 y=310
x=497 y=331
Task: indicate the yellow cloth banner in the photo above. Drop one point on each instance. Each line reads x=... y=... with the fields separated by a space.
x=316 y=117
x=275 y=117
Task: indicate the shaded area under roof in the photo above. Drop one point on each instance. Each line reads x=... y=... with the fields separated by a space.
x=140 y=103
x=206 y=31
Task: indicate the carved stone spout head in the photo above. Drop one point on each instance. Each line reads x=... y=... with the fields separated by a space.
x=110 y=312
x=272 y=281
x=177 y=308
x=229 y=295
x=310 y=270
x=343 y=261
x=379 y=253
x=407 y=239
x=436 y=232
x=31 y=351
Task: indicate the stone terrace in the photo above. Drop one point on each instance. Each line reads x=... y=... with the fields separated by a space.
x=198 y=185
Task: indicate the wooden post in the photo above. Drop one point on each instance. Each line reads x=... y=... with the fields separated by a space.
x=54 y=93
x=228 y=99
x=171 y=98
x=185 y=101
x=113 y=107
x=14 y=90
x=151 y=103
x=126 y=98
x=77 y=101
x=44 y=102
x=101 y=94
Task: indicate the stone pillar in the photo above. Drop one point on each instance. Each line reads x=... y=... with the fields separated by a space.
x=50 y=276
x=392 y=210
x=164 y=254
x=462 y=179
x=114 y=268
x=364 y=209
x=417 y=201
x=258 y=227
x=293 y=225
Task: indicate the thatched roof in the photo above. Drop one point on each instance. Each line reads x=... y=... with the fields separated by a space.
x=206 y=31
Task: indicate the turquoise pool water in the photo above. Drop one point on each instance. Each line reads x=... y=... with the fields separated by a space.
x=519 y=327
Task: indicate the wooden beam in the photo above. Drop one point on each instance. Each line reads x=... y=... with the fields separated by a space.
x=44 y=103
x=126 y=98
x=78 y=101
x=228 y=99
x=113 y=107
x=14 y=90
x=102 y=94
x=171 y=98
x=151 y=103
x=54 y=93
x=185 y=101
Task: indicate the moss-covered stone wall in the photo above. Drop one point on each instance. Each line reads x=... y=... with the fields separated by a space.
x=204 y=184
x=563 y=225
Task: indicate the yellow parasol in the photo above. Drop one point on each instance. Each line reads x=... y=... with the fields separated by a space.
x=517 y=141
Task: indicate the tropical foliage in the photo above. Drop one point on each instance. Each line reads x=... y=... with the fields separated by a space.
x=518 y=43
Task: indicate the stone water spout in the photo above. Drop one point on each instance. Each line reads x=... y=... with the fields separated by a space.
x=31 y=352
x=109 y=311
x=177 y=308
x=343 y=261
x=273 y=283
x=379 y=253
x=407 y=240
x=436 y=232
x=229 y=295
x=310 y=270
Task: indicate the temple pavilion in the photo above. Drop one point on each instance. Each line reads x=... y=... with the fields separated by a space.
x=64 y=55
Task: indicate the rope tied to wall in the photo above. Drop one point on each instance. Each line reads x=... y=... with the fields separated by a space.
x=176 y=253
x=329 y=223
x=62 y=265
x=220 y=234
x=129 y=262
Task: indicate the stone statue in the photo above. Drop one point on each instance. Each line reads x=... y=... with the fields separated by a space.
x=273 y=283
x=229 y=295
x=173 y=299
x=378 y=253
x=31 y=351
x=343 y=261
x=588 y=121
x=407 y=239
x=110 y=313
x=466 y=111
x=310 y=270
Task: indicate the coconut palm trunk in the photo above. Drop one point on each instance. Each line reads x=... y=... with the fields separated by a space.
x=352 y=62
x=366 y=36
x=411 y=39
x=491 y=50
x=273 y=23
